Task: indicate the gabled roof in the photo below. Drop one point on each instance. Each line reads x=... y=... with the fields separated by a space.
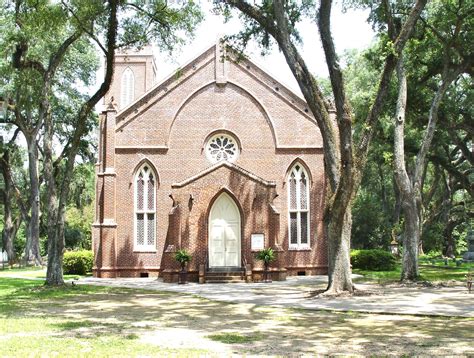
x=230 y=166
x=183 y=72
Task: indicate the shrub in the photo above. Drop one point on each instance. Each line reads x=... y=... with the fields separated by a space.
x=374 y=260
x=433 y=254
x=78 y=262
x=183 y=257
x=266 y=255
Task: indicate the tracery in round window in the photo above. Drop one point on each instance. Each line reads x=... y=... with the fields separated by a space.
x=222 y=146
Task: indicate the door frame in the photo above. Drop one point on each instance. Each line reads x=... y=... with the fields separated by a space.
x=234 y=202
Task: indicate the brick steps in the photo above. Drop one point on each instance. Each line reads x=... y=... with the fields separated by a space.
x=225 y=277
x=225 y=281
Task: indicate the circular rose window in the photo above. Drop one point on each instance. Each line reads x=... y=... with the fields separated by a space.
x=222 y=146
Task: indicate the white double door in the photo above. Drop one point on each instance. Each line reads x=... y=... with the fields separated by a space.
x=224 y=233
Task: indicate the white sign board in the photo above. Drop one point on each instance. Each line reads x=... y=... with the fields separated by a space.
x=258 y=241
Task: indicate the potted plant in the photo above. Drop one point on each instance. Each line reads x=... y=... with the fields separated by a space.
x=266 y=255
x=183 y=257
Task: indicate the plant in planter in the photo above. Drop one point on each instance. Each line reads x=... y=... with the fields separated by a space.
x=266 y=255
x=183 y=257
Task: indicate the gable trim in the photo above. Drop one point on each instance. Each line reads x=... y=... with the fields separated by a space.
x=296 y=103
x=267 y=116
x=171 y=80
x=287 y=95
x=228 y=165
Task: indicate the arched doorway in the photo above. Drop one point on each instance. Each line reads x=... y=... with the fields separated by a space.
x=224 y=233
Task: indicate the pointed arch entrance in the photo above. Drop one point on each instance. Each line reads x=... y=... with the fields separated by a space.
x=224 y=233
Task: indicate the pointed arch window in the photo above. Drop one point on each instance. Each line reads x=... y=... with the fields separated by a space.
x=127 y=88
x=145 y=209
x=298 y=207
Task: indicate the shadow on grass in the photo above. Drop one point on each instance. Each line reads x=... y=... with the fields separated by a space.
x=85 y=311
x=232 y=338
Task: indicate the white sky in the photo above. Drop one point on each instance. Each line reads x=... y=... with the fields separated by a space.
x=350 y=30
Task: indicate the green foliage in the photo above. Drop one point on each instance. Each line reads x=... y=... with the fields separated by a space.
x=296 y=11
x=461 y=241
x=375 y=260
x=78 y=262
x=369 y=224
x=376 y=210
x=182 y=256
x=266 y=255
x=78 y=234
x=48 y=61
x=80 y=211
x=431 y=255
x=433 y=237
x=20 y=241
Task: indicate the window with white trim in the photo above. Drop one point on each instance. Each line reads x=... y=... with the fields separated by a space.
x=145 y=210
x=127 y=88
x=298 y=207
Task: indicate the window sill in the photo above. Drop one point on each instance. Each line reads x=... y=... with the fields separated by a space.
x=299 y=248
x=145 y=251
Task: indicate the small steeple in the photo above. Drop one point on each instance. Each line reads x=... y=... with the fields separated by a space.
x=134 y=75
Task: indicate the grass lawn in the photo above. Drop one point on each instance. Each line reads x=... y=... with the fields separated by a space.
x=33 y=272
x=93 y=321
x=435 y=273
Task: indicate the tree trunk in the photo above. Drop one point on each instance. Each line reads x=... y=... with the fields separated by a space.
x=397 y=207
x=411 y=232
x=10 y=226
x=449 y=222
x=383 y=191
x=8 y=235
x=338 y=225
x=32 y=248
x=54 y=273
x=411 y=236
x=449 y=242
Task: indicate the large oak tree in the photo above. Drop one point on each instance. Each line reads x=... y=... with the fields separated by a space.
x=344 y=155
x=446 y=43
x=47 y=48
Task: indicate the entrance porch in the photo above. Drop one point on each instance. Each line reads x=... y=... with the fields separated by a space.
x=215 y=214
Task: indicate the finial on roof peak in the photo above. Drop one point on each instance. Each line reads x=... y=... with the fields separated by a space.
x=221 y=61
x=112 y=105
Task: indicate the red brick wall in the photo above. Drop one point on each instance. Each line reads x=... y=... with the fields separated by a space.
x=143 y=68
x=168 y=128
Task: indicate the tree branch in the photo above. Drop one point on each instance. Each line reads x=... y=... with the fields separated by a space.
x=447 y=78
x=83 y=28
x=390 y=63
x=88 y=106
x=343 y=111
x=306 y=81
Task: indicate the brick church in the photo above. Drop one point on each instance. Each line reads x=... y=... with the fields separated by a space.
x=219 y=159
